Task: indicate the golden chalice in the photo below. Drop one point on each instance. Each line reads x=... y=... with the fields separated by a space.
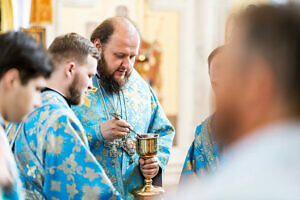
x=146 y=147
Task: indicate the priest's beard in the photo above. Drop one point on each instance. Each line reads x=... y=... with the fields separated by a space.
x=75 y=95
x=107 y=80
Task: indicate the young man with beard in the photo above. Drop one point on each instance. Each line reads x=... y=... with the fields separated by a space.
x=121 y=91
x=24 y=65
x=50 y=147
x=203 y=155
x=259 y=110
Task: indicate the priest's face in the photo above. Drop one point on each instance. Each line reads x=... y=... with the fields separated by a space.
x=117 y=59
x=82 y=80
x=21 y=99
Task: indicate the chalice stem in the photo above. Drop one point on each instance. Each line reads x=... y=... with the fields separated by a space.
x=148 y=184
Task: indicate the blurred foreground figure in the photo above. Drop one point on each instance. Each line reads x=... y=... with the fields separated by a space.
x=259 y=111
x=50 y=147
x=24 y=65
x=203 y=155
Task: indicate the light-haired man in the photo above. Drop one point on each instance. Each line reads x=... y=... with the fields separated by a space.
x=258 y=118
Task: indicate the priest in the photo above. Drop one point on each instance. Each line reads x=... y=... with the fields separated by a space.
x=121 y=91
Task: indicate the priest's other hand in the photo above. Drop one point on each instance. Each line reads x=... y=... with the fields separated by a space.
x=149 y=167
x=114 y=129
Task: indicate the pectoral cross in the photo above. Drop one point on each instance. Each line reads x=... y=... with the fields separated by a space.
x=113 y=151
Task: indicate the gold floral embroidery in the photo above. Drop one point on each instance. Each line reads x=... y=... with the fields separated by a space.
x=55 y=185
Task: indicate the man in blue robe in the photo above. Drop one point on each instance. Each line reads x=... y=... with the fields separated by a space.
x=24 y=65
x=203 y=155
x=121 y=91
x=50 y=147
x=258 y=119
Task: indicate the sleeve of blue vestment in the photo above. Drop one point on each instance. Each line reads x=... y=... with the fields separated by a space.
x=71 y=169
x=161 y=125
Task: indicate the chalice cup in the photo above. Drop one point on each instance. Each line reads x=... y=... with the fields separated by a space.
x=146 y=147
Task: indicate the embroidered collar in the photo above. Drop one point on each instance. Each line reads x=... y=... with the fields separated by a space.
x=49 y=89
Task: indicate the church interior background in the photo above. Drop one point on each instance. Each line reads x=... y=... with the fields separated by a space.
x=177 y=37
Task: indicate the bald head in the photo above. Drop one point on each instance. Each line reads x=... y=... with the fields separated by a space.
x=115 y=27
x=118 y=41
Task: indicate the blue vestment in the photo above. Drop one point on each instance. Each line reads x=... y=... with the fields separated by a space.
x=53 y=156
x=203 y=154
x=139 y=106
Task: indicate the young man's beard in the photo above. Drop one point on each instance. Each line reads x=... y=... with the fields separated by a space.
x=74 y=94
x=107 y=80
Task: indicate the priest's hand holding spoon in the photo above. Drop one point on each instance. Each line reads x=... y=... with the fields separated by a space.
x=114 y=129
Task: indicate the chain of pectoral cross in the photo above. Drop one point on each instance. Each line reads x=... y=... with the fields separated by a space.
x=115 y=109
x=113 y=145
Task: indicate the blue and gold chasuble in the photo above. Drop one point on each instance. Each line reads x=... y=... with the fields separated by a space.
x=138 y=105
x=16 y=191
x=203 y=154
x=53 y=156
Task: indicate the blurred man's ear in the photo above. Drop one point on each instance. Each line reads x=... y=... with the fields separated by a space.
x=10 y=79
x=69 y=69
x=98 y=45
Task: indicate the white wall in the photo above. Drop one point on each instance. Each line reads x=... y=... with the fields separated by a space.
x=21 y=11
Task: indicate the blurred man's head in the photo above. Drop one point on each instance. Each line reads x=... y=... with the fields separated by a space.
x=75 y=59
x=118 y=41
x=24 y=65
x=262 y=82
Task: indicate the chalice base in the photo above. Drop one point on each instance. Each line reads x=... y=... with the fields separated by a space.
x=149 y=193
